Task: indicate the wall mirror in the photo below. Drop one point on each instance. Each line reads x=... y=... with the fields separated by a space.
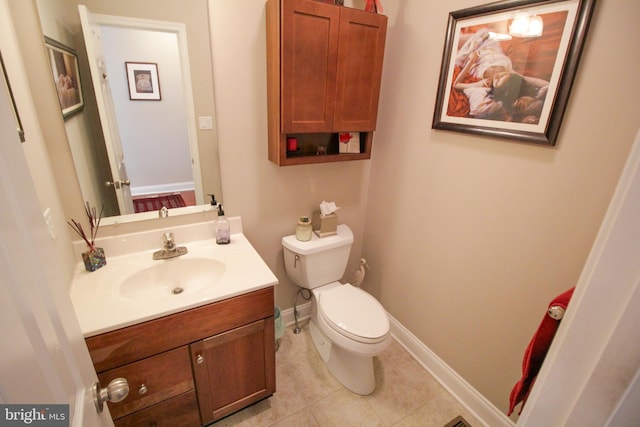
x=134 y=154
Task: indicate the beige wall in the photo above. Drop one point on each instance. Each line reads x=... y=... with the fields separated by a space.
x=269 y=198
x=482 y=233
x=468 y=237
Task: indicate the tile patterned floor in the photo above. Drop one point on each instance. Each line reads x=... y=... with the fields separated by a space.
x=307 y=394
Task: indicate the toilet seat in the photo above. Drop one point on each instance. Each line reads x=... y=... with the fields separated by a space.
x=354 y=313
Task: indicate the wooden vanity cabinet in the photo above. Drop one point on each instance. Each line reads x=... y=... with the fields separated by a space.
x=324 y=66
x=193 y=367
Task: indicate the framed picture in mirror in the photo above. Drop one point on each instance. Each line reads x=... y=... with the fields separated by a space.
x=66 y=76
x=508 y=68
x=144 y=84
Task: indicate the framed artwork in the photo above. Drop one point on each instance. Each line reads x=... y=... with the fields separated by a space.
x=143 y=81
x=66 y=76
x=508 y=67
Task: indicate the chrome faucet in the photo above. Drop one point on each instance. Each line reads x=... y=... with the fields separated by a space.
x=169 y=250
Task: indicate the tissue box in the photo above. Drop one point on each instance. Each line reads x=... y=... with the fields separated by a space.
x=325 y=225
x=349 y=142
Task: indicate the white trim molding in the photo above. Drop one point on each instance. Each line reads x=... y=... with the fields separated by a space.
x=461 y=390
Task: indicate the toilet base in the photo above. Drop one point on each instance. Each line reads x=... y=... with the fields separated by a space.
x=352 y=371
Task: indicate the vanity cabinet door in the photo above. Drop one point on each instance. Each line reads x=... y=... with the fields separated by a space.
x=234 y=369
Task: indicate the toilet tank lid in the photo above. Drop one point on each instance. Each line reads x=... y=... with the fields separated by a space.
x=317 y=244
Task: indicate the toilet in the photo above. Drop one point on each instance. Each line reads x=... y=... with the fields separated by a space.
x=348 y=326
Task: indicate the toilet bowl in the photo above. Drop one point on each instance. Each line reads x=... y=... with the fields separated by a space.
x=348 y=326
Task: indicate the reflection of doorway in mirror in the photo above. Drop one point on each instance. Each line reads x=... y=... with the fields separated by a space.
x=120 y=182
x=155 y=202
x=154 y=135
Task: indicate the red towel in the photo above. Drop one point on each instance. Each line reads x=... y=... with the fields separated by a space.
x=536 y=352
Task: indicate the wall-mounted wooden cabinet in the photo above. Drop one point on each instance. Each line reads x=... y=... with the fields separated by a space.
x=324 y=65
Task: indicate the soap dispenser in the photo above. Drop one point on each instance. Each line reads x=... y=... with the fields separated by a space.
x=214 y=203
x=222 y=228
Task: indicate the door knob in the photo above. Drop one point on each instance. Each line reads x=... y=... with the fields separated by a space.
x=118 y=184
x=116 y=391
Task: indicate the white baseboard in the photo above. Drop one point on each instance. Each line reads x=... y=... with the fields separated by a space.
x=304 y=312
x=175 y=187
x=468 y=396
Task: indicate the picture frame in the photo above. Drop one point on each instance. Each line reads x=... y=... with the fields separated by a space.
x=144 y=83
x=66 y=76
x=509 y=77
x=5 y=77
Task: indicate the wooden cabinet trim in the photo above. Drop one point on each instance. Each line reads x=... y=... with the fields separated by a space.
x=233 y=334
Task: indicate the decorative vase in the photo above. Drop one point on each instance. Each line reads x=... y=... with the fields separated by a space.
x=303 y=230
x=94 y=259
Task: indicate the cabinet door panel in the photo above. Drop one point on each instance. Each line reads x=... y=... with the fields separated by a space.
x=309 y=54
x=234 y=369
x=360 y=56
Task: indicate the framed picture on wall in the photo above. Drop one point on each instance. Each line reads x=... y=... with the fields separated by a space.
x=508 y=67
x=66 y=76
x=143 y=81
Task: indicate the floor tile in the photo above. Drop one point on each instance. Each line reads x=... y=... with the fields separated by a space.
x=308 y=395
x=344 y=408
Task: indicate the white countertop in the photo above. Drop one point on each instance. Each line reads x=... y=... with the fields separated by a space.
x=101 y=308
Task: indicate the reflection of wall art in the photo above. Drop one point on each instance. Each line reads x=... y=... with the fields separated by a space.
x=143 y=81
x=64 y=65
x=508 y=68
x=19 y=127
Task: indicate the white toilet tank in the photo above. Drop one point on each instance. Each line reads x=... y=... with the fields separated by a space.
x=318 y=261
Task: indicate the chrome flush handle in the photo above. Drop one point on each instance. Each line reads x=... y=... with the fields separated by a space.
x=295 y=260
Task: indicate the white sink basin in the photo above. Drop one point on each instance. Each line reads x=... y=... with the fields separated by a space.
x=171 y=278
x=134 y=288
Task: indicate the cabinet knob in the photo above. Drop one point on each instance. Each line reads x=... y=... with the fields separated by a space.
x=199 y=359
x=143 y=389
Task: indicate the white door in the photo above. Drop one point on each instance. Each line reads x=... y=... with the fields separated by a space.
x=106 y=109
x=43 y=359
x=590 y=375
